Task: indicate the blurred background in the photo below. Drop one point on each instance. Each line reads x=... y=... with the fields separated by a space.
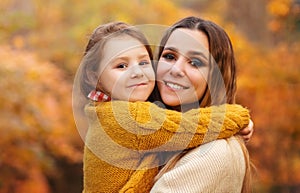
x=41 y=44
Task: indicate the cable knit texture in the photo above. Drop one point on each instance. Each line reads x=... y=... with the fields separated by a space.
x=218 y=166
x=124 y=140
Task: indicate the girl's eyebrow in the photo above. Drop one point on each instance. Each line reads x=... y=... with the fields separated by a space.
x=140 y=56
x=143 y=55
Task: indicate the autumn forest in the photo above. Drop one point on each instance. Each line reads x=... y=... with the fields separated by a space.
x=41 y=45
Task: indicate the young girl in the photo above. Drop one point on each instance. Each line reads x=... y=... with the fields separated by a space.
x=124 y=140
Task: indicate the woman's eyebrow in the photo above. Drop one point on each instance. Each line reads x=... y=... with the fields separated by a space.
x=193 y=53
x=196 y=53
x=171 y=49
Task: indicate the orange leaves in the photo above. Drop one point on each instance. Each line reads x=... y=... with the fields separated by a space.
x=279 y=10
x=18 y=42
x=36 y=122
x=36 y=183
x=274 y=25
x=279 y=7
x=269 y=85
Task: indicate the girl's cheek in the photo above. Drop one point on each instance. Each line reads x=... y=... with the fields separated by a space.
x=149 y=72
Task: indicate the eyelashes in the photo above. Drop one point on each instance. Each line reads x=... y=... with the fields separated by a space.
x=197 y=62
x=122 y=65
x=194 y=61
x=168 y=56
x=125 y=65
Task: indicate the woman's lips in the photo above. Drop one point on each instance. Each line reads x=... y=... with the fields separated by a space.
x=174 y=86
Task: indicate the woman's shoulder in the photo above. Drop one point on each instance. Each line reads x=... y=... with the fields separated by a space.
x=217 y=166
x=222 y=150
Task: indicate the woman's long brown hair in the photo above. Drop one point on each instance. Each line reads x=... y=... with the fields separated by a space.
x=222 y=61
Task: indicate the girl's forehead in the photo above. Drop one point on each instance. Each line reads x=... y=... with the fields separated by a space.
x=121 y=47
x=121 y=43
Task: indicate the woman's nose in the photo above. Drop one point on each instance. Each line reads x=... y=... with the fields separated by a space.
x=177 y=68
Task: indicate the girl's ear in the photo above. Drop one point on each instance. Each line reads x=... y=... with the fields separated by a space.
x=92 y=79
x=93 y=76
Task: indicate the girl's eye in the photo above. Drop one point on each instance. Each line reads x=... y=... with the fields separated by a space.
x=142 y=63
x=123 y=65
x=196 y=62
x=168 y=56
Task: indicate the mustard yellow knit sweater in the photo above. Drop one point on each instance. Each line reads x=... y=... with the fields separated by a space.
x=125 y=139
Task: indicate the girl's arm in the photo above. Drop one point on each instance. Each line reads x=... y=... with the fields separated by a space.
x=145 y=126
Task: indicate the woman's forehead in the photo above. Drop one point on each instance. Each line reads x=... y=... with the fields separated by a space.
x=187 y=40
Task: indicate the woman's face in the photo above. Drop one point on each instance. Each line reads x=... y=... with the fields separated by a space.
x=126 y=71
x=183 y=67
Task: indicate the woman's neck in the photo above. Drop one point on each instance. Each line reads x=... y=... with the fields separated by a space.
x=186 y=107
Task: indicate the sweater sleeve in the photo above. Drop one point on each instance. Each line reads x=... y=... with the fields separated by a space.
x=145 y=126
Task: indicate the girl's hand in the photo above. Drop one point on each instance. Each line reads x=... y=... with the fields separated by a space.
x=247 y=132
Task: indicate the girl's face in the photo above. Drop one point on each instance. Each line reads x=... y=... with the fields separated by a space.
x=183 y=67
x=126 y=71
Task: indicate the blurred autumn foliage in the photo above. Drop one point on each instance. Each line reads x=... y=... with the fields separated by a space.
x=41 y=46
x=37 y=129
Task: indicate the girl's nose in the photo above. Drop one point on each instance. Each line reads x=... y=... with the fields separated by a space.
x=137 y=72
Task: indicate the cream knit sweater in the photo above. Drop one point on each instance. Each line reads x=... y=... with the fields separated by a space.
x=124 y=140
x=217 y=166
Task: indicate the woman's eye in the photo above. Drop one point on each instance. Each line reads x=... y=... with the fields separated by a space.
x=169 y=56
x=142 y=63
x=123 y=65
x=196 y=62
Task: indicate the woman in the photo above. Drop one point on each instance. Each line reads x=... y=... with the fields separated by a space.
x=197 y=68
